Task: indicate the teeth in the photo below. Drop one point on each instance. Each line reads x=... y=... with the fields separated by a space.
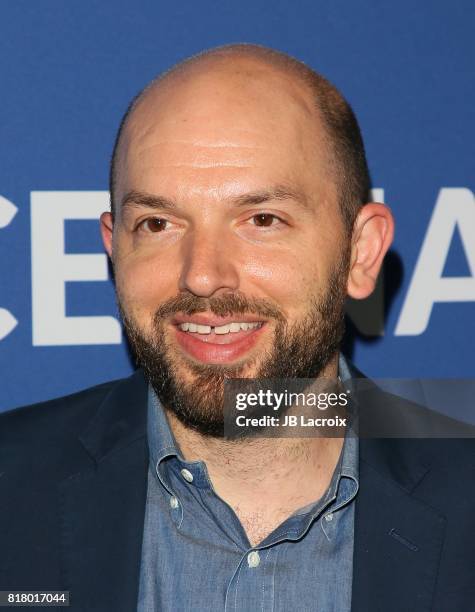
x=233 y=328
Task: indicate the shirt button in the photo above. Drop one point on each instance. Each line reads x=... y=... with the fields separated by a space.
x=187 y=475
x=253 y=559
x=329 y=517
x=174 y=502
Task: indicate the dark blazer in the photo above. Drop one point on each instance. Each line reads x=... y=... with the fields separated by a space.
x=73 y=475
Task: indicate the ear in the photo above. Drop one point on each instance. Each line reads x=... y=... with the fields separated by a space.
x=372 y=236
x=107 y=225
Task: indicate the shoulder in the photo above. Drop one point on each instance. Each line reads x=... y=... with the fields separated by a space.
x=401 y=433
x=405 y=411
x=56 y=414
x=48 y=433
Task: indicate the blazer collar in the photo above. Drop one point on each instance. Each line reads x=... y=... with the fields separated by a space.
x=120 y=419
x=399 y=460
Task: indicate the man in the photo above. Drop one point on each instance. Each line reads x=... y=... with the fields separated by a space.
x=238 y=225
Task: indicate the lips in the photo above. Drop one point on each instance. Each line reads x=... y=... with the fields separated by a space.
x=211 y=339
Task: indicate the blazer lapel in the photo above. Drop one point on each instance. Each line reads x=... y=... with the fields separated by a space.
x=102 y=507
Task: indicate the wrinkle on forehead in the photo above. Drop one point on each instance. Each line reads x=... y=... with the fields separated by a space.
x=208 y=143
x=229 y=133
x=173 y=153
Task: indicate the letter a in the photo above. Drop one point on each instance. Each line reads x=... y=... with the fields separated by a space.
x=454 y=207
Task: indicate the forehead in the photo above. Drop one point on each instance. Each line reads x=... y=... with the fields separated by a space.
x=224 y=120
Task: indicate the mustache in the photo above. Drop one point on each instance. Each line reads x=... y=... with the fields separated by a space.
x=221 y=306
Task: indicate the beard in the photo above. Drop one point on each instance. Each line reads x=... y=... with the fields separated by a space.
x=301 y=350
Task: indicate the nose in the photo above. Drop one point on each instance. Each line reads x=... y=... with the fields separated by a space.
x=209 y=264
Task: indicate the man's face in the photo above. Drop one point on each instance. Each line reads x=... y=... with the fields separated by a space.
x=229 y=251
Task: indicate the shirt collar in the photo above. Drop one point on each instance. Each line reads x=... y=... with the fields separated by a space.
x=161 y=441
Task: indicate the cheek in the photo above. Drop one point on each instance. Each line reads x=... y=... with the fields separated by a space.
x=287 y=276
x=142 y=285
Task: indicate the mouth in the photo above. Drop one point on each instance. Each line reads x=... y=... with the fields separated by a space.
x=211 y=339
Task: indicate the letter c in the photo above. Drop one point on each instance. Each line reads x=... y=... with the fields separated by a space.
x=7 y=321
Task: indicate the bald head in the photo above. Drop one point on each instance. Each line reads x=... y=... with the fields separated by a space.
x=221 y=89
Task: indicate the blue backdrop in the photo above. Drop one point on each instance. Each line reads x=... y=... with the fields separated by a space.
x=68 y=71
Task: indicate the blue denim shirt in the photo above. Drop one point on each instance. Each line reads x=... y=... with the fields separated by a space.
x=196 y=555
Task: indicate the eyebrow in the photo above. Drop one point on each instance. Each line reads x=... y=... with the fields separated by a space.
x=279 y=192
x=139 y=199
x=136 y=199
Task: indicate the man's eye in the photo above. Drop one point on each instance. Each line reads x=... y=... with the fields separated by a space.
x=153 y=224
x=264 y=220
